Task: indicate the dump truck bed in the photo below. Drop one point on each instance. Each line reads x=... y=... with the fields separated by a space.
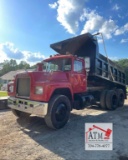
x=101 y=68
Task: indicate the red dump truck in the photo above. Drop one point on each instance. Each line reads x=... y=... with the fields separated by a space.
x=76 y=77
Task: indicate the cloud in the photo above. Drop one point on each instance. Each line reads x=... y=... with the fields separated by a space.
x=53 y=5
x=116 y=7
x=94 y=22
x=71 y=14
x=124 y=41
x=120 y=16
x=100 y=40
x=68 y=13
x=76 y=18
x=114 y=58
x=9 y=51
x=33 y=57
x=122 y=30
x=108 y=28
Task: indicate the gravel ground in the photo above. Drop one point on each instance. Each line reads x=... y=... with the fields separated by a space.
x=31 y=139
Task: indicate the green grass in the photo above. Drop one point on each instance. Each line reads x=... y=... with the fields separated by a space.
x=3 y=94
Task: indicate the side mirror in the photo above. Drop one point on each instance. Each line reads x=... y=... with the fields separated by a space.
x=87 y=63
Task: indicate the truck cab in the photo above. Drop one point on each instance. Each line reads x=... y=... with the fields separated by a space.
x=31 y=92
x=67 y=68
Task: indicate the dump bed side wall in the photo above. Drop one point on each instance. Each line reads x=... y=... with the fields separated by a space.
x=101 y=67
x=107 y=69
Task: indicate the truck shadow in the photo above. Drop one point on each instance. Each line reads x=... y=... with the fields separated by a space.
x=69 y=142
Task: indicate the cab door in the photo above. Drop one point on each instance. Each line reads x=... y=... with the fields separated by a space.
x=78 y=77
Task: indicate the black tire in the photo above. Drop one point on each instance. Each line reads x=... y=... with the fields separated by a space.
x=20 y=114
x=58 y=112
x=111 y=100
x=103 y=99
x=121 y=97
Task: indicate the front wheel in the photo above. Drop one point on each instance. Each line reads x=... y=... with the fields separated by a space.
x=58 y=112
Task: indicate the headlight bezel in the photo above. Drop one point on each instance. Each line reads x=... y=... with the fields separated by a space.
x=11 y=88
x=38 y=90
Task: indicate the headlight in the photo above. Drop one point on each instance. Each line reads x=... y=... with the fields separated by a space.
x=11 y=88
x=38 y=90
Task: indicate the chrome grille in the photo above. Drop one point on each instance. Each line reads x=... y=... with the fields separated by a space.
x=23 y=87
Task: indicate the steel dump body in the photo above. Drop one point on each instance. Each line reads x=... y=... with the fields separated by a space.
x=103 y=72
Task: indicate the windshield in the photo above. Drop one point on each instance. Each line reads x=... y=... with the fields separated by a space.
x=60 y=64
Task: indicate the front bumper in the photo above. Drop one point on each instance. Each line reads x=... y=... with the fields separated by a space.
x=32 y=107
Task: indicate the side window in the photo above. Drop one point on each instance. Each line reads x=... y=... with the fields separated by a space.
x=78 y=66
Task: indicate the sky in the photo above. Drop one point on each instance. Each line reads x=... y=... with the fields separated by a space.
x=28 y=27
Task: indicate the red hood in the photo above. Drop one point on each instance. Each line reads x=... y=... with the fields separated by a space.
x=57 y=76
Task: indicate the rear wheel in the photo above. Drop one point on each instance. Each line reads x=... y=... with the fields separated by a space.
x=103 y=99
x=111 y=100
x=58 y=112
x=20 y=114
x=121 y=97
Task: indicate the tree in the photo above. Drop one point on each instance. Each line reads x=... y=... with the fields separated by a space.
x=12 y=66
x=6 y=68
x=124 y=64
x=23 y=65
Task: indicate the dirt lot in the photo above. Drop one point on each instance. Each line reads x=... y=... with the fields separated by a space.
x=31 y=139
